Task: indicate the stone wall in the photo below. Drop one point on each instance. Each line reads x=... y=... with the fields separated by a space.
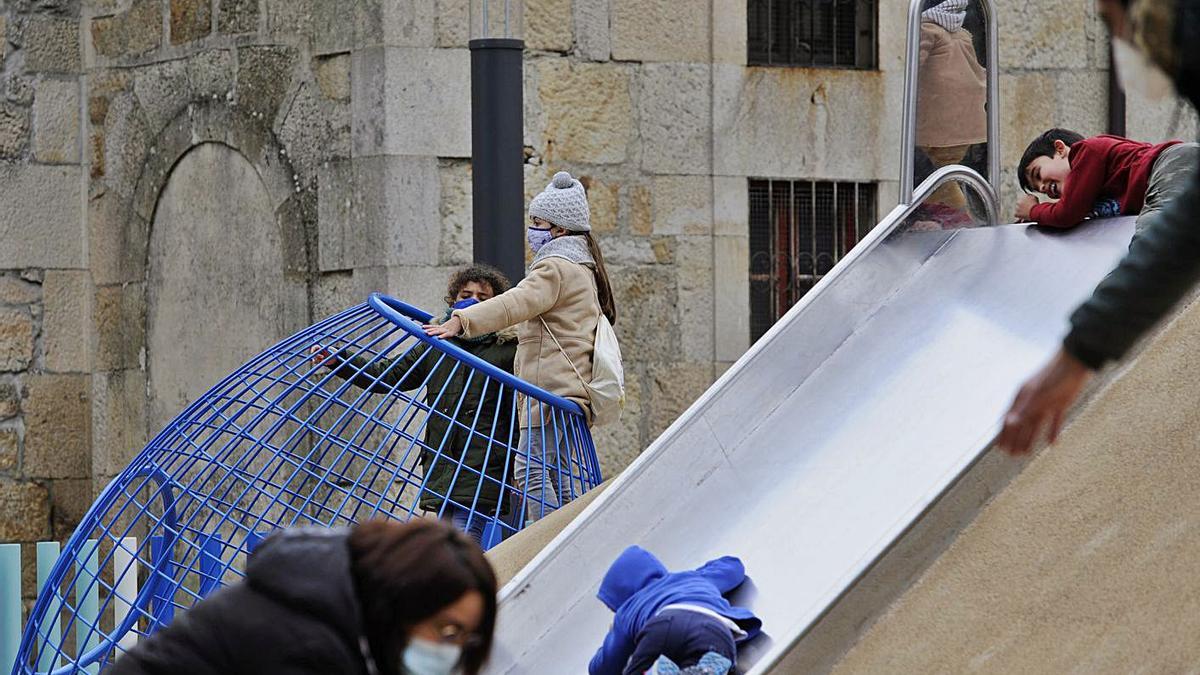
x=354 y=117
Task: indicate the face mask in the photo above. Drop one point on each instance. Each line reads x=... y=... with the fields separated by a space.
x=537 y=238
x=1137 y=73
x=422 y=657
x=464 y=303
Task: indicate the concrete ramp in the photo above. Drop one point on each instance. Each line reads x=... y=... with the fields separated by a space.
x=1087 y=562
x=829 y=440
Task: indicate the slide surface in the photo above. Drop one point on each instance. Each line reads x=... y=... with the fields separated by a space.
x=830 y=436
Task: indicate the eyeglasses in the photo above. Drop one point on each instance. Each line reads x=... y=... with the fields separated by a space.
x=453 y=634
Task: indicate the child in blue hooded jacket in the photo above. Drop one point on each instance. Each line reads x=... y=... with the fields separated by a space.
x=681 y=615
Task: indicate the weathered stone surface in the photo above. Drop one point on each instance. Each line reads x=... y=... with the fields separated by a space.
x=644 y=295
x=411 y=102
x=731 y=205
x=548 y=25
x=127 y=138
x=333 y=76
x=67 y=321
x=629 y=251
x=3 y=41
x=674 y=118
x=56 y=122
x=51 y=44
x=190 y=20
x=641 y=210
x=397 y=203
x=425 y=285
x=40 y=220
x=456 y=209
x=640 y=30
x=604 y=202
x=308 y=129
x=1046 y=35
x=619 y=444
x=453 y=23
x=585 y=111
x=1073 y=87
x=16 y=291
x=683 y=204
x=729 y=32
x=694 y=267
x=10 y=447
x=69 y=502
x=58 y=426
x=592 y=38
x=264 y=74
x=131 y=33
x=671 y=389
x=338 y=247
x=118 y=419
x=19 y=89
x=120 y=326
x=210 y=73
x=26 y=509
x=16 y=339
x=10 y=397
x=14 y=131
x=1027 y=108
x=731 y=294
x=329 y=26
x=1159 y=120
x=396 y=24
x=162 y=91
x=237 y=16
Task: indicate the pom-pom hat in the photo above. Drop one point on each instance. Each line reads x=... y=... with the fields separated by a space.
x=563 y=203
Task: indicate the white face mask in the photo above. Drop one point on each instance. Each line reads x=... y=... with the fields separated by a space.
x=1137 y=73
x=422 y=657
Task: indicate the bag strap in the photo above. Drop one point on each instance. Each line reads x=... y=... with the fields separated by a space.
x=564 y=353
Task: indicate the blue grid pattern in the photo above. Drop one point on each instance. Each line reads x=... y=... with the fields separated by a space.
x=294 y=439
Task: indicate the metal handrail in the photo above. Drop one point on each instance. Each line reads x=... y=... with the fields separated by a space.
x=911 y=71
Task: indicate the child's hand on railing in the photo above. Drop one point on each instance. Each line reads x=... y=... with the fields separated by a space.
x=444 y=331
x=320 y=356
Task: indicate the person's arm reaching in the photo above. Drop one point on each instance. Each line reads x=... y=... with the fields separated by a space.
x=611 y=657
x=535 y=295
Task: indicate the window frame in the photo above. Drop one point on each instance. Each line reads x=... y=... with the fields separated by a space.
x=866 y=34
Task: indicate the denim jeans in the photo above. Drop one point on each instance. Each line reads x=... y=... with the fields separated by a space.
x=459 y=515
x=542 y=454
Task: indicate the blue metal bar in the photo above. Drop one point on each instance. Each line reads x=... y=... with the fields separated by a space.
x=10 y=602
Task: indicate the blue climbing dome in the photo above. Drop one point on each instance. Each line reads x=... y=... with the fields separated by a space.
x=382 y=422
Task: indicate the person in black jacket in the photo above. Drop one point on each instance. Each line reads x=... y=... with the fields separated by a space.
x=382 y=598
x=1163 y=262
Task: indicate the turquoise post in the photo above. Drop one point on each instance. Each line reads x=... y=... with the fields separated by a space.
x=50 y=639
x=10 y=604
x=87 y=604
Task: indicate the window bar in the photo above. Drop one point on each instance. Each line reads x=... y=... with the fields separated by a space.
x=837 y=214
x=812 y=186
x=858 y=234
x=793 y=249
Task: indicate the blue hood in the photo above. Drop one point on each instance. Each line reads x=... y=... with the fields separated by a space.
x=633 y=570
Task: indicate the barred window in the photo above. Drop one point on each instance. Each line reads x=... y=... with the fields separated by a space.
x=798 y=232
x=812 y=33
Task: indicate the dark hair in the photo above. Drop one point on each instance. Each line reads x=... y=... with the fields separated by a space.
x=405 y=573
x=608 y=304
x=1043 y=146
x=479 y=273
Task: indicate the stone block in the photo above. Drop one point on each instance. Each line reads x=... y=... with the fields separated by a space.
x=237 y=16
x=787 y=122
x=675 y=119
x=127 y=138
x=67 y=320
x=641 y=210
x=729 y=33
x=16 y=339
x=333 y=76
x=1028 y=104
x=1044 y=35
x=329 y=26
x=731 y=296
x=1082 y=101
x=593 y=40
x=190 y=20
x=411 y=101
x=339 y=245
x=69 y=501
x=457 y=245
x=334 y=292
x=397 y=203
x=56 y=122
x=16 y=291
x=683 y=205
x=584 y=111
x=14 y=131
x=51 y=44
x=453 y=23
x=120 y=327
x=10 y=397
x=118 y=419
x=310 y=131
x=640 y=30
x=26 y=509
x=617 y=445
x=694 y=267
x=40 y=217
x=420 y=285
x=210 y=73
x=10 y=447
x=672 y=387
x=131 y=33
x=644 y=295
x=731 y=205
x=548 y=25
x=264 y=75
x=604 y=201
x=19 y=89
x=3 y=41
x=625 y=251
x=162 y=91
x=58 y=426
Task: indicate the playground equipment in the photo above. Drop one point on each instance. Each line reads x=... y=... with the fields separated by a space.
x=293 y=438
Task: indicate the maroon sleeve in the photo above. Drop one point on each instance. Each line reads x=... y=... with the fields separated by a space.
x=1081 y=189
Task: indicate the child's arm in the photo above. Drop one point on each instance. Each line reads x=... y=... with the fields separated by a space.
x=1079 y=192
x=535 y=295
x=611 y=657
x=384 y=375
x=726 y=573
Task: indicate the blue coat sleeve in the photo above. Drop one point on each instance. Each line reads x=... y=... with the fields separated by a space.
x=726 y=573
x=612 y=656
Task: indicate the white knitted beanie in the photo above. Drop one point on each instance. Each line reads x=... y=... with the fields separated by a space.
x=563 y=203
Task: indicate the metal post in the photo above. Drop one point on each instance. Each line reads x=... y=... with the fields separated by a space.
x=497 y=154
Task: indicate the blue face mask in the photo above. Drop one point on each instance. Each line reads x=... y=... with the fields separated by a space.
x=464 y=303
x=537 y=238
x=422 y=657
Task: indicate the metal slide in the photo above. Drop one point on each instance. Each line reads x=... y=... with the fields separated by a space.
x=829 y=438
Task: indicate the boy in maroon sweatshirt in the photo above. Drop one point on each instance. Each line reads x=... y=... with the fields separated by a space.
x=1099 y=176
